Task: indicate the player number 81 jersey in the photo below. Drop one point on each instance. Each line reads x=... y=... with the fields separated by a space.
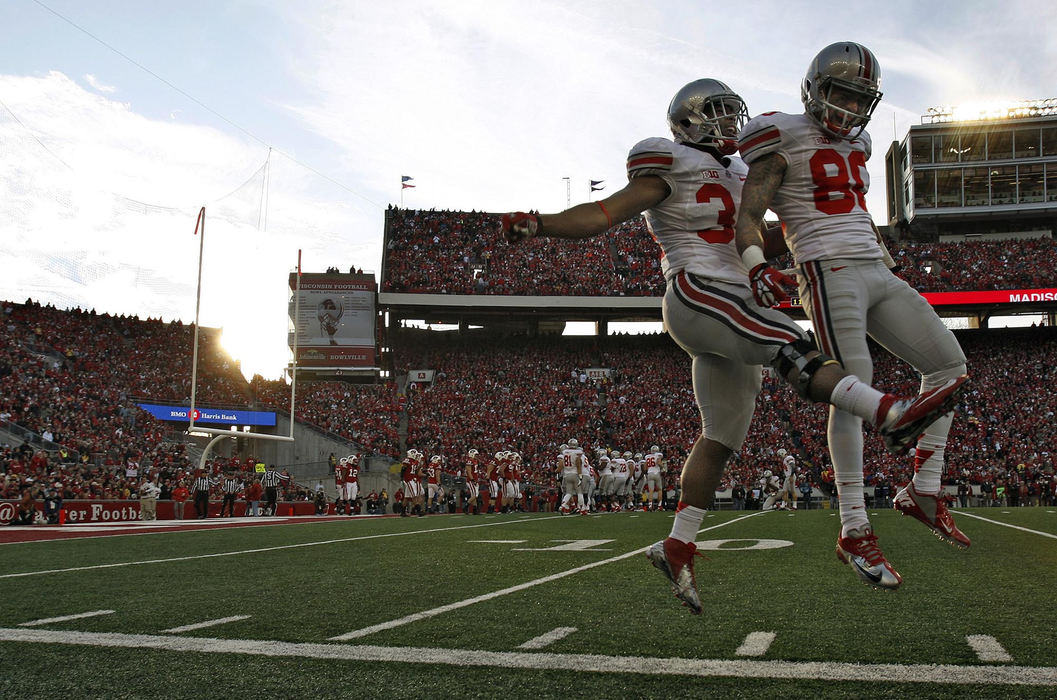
x=695 y=224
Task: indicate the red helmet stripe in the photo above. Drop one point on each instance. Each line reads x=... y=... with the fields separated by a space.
x=867 y=63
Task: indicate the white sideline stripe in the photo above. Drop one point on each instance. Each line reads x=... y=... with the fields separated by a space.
x=426 y=614
x=64 y=618
x=207 y=623
x=261 y=549
x=549 y=638
x=962 y=513
x=987 y=648
x=817 y=670
x=756 y=644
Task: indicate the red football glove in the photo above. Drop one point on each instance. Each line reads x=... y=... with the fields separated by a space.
x=768 y=285
x=519 y=226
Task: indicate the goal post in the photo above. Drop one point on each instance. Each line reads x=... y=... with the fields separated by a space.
x=220 y=433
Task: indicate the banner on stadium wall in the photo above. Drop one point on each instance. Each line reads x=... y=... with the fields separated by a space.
x=336 y=320
x=76 y=511
x=210 y=415
x=598 y=373
x=1005 y=296
x=421 y=375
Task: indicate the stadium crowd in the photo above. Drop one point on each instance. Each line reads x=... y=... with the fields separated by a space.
x=72 y=378
x=451 y=252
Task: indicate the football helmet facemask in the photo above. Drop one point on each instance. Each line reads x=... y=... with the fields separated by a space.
x=707 y=113
x=842 y=88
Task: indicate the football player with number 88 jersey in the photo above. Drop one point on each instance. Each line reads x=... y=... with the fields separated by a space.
x=810 y=169
x=690 y=189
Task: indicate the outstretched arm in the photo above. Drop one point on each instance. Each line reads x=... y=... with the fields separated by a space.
x=591 y=218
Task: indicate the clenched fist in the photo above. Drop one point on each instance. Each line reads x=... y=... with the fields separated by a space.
x=519 y=226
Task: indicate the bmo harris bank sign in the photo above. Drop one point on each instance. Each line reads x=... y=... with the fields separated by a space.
x=210 y=415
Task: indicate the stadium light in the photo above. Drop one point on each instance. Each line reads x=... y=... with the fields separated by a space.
x=984 y=111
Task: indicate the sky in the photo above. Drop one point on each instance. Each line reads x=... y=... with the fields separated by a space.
x=293 y=122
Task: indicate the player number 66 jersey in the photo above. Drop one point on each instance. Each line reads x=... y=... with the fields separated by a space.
x=702 y=208
x=822 y=198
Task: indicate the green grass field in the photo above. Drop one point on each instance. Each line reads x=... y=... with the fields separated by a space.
x=441 y=606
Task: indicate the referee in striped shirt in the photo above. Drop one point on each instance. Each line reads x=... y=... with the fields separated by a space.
x=271 y=481
x=200 y=488
x=231 y=486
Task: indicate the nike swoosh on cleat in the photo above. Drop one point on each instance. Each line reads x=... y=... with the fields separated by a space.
x=876 y=578
x=837 y=269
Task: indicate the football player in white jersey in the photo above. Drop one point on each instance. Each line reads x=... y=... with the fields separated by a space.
x=569 y=468
x=770 y=486
x=690 y=189
x=788 y=493
x=810 y=169
x=606 y=482
x=621 y=479
x=653 y=463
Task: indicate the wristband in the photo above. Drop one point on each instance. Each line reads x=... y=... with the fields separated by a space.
x=753 y=256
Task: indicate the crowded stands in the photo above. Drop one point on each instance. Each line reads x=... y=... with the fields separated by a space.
x=72 y=378
x=444 y=252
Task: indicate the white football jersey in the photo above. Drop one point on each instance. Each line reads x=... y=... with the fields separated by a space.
x=822 y=198
x=653 y=462
x=571 y=459
x=788 y=462
x=702 y=207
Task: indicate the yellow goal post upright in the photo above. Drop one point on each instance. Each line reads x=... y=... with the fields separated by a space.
x=200 y=228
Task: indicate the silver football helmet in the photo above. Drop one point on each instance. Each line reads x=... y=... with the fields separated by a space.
x=707 y=113
x=573 y=442
x=842 y=88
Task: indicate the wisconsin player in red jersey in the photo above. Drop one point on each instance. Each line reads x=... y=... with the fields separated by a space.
x=352 y=483
x=339 y=483
x=433 y=470
x=810 y=169
x=690 y=189
x=471 y=469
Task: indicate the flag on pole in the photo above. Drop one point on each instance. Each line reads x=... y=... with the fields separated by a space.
x=404 y=179
x=597 y=185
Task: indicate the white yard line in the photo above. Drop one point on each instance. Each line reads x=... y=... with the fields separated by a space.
x=988 y=649
x=207 y=623
x=962 y=513
x=641 y=665
x=258 y=550
x=426 y=614
x=755 y=644
x=64 y=618
x=545 y=640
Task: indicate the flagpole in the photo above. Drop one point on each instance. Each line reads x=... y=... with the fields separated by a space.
x=568 y=192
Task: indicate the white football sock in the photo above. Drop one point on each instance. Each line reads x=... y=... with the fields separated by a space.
x=687 y=522
x=857 y=398
x=929 y=458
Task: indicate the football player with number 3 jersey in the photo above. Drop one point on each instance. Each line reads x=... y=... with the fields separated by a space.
x=690 y=189
x=810 y=169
